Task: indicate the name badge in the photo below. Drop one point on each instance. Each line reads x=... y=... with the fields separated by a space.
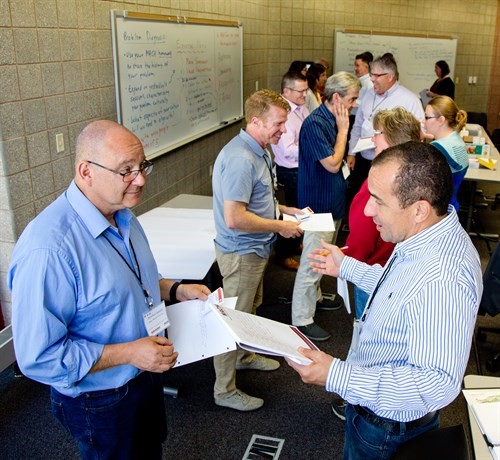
x=156 y=319
x=346 y=172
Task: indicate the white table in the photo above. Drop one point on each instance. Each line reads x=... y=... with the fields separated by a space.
x=475 y=175
x=481 y=451
x=182 y=238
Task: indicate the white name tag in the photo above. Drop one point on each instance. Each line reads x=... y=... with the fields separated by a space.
x=346 y=172
x=156 y=319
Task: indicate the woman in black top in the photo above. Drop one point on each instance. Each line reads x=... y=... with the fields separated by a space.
x=444 y=85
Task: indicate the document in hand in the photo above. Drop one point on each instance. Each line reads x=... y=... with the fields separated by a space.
x=263 y=335
x=316 y=222
x=485 y=405
x=196 y=331
x=364 y=143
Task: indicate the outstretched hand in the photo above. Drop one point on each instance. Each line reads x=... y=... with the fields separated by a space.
x=327 y=260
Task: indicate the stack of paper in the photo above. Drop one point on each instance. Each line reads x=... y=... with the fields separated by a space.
x=485 y=405
x=202 y=329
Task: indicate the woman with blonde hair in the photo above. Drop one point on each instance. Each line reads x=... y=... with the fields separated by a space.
x=444 y=120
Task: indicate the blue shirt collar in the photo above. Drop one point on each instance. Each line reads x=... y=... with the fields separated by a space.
x=254 y=145
x=91 y=217
x=425 y=237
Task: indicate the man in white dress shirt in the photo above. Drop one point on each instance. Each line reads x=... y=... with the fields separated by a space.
x=386 y=93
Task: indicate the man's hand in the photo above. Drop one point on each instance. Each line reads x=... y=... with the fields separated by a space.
x=341 y=116
x=154 y=354
x=192 y=291
x=351 y=161
x=291 y=211
x=328 y=259
x=317 y=371
x=289 y=229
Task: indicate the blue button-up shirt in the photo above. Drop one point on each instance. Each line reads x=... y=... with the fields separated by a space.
x=72 y=293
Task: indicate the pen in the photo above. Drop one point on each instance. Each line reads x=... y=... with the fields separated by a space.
x=325 y=253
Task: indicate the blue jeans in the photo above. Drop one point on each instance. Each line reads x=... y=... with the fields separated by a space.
x=360 y=299
x=124 y=423
x=365 y=441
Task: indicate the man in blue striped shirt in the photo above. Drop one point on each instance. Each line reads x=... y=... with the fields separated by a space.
x=321 y=186
x=411 y=346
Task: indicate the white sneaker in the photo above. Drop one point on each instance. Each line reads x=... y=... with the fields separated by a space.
x=239 y=401
x=260 y=363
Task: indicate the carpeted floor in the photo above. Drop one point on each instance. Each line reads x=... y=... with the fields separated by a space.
x=198 y=429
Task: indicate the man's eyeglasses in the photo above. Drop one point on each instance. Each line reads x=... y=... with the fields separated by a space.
x=377 y=133
x=128 y=176
x=300 y=91
x=428 y=117
x=378 y=75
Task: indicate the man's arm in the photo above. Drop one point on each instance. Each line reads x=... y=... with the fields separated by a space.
x=183 y=292
x=238 y=217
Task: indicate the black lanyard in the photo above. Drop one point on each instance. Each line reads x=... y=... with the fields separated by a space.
x=269 y=167
x=380 y=281
x=147 y=296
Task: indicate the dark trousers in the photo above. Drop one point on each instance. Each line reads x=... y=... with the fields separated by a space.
x=124 y=423
x=287 y=180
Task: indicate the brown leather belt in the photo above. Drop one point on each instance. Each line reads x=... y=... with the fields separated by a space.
x=392 y=425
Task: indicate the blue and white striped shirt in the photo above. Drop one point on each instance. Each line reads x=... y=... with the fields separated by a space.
x=415 y=341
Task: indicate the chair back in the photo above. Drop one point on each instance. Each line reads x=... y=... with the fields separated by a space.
x=447 y=443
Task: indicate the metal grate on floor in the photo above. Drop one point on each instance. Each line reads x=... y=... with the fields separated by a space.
x=263 y=447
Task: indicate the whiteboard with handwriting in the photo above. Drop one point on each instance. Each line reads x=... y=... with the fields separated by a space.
x=175 y=82
x=415 y=56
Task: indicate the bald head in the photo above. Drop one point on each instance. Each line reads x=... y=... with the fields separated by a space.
x=104 y=151
x=98 y=138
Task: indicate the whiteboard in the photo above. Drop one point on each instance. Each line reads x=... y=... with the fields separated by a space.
x=175 y=81
x=415 y=56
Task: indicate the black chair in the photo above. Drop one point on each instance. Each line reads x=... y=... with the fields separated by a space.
x=447 y=443
x=478 y=118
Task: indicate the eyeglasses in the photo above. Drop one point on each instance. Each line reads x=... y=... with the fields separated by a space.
x=300 y=91
x=378 y=75
x=128 y=176
x=377 y=133
x=427 y=117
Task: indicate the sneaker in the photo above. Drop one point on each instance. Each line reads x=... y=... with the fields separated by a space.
x=260 y=363
x=240 y=401
x=330 y=305
x=338 y=407
x=314 y=332
x=290 y=264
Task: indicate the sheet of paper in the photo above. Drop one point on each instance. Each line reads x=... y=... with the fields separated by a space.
x=424 y=98
x=343 y=291
x=485 y=405
x=364 y=143
x=317 y=222
x=196 y=331
x=264 y=335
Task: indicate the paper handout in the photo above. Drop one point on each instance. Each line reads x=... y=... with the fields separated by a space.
x=343 y=291
x=485 y=405
x=263 y=335
x=424 y=98
x=364 y=143
x=317 y=222
x=196 y=332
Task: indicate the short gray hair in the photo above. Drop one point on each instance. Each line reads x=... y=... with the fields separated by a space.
x=341 y=83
